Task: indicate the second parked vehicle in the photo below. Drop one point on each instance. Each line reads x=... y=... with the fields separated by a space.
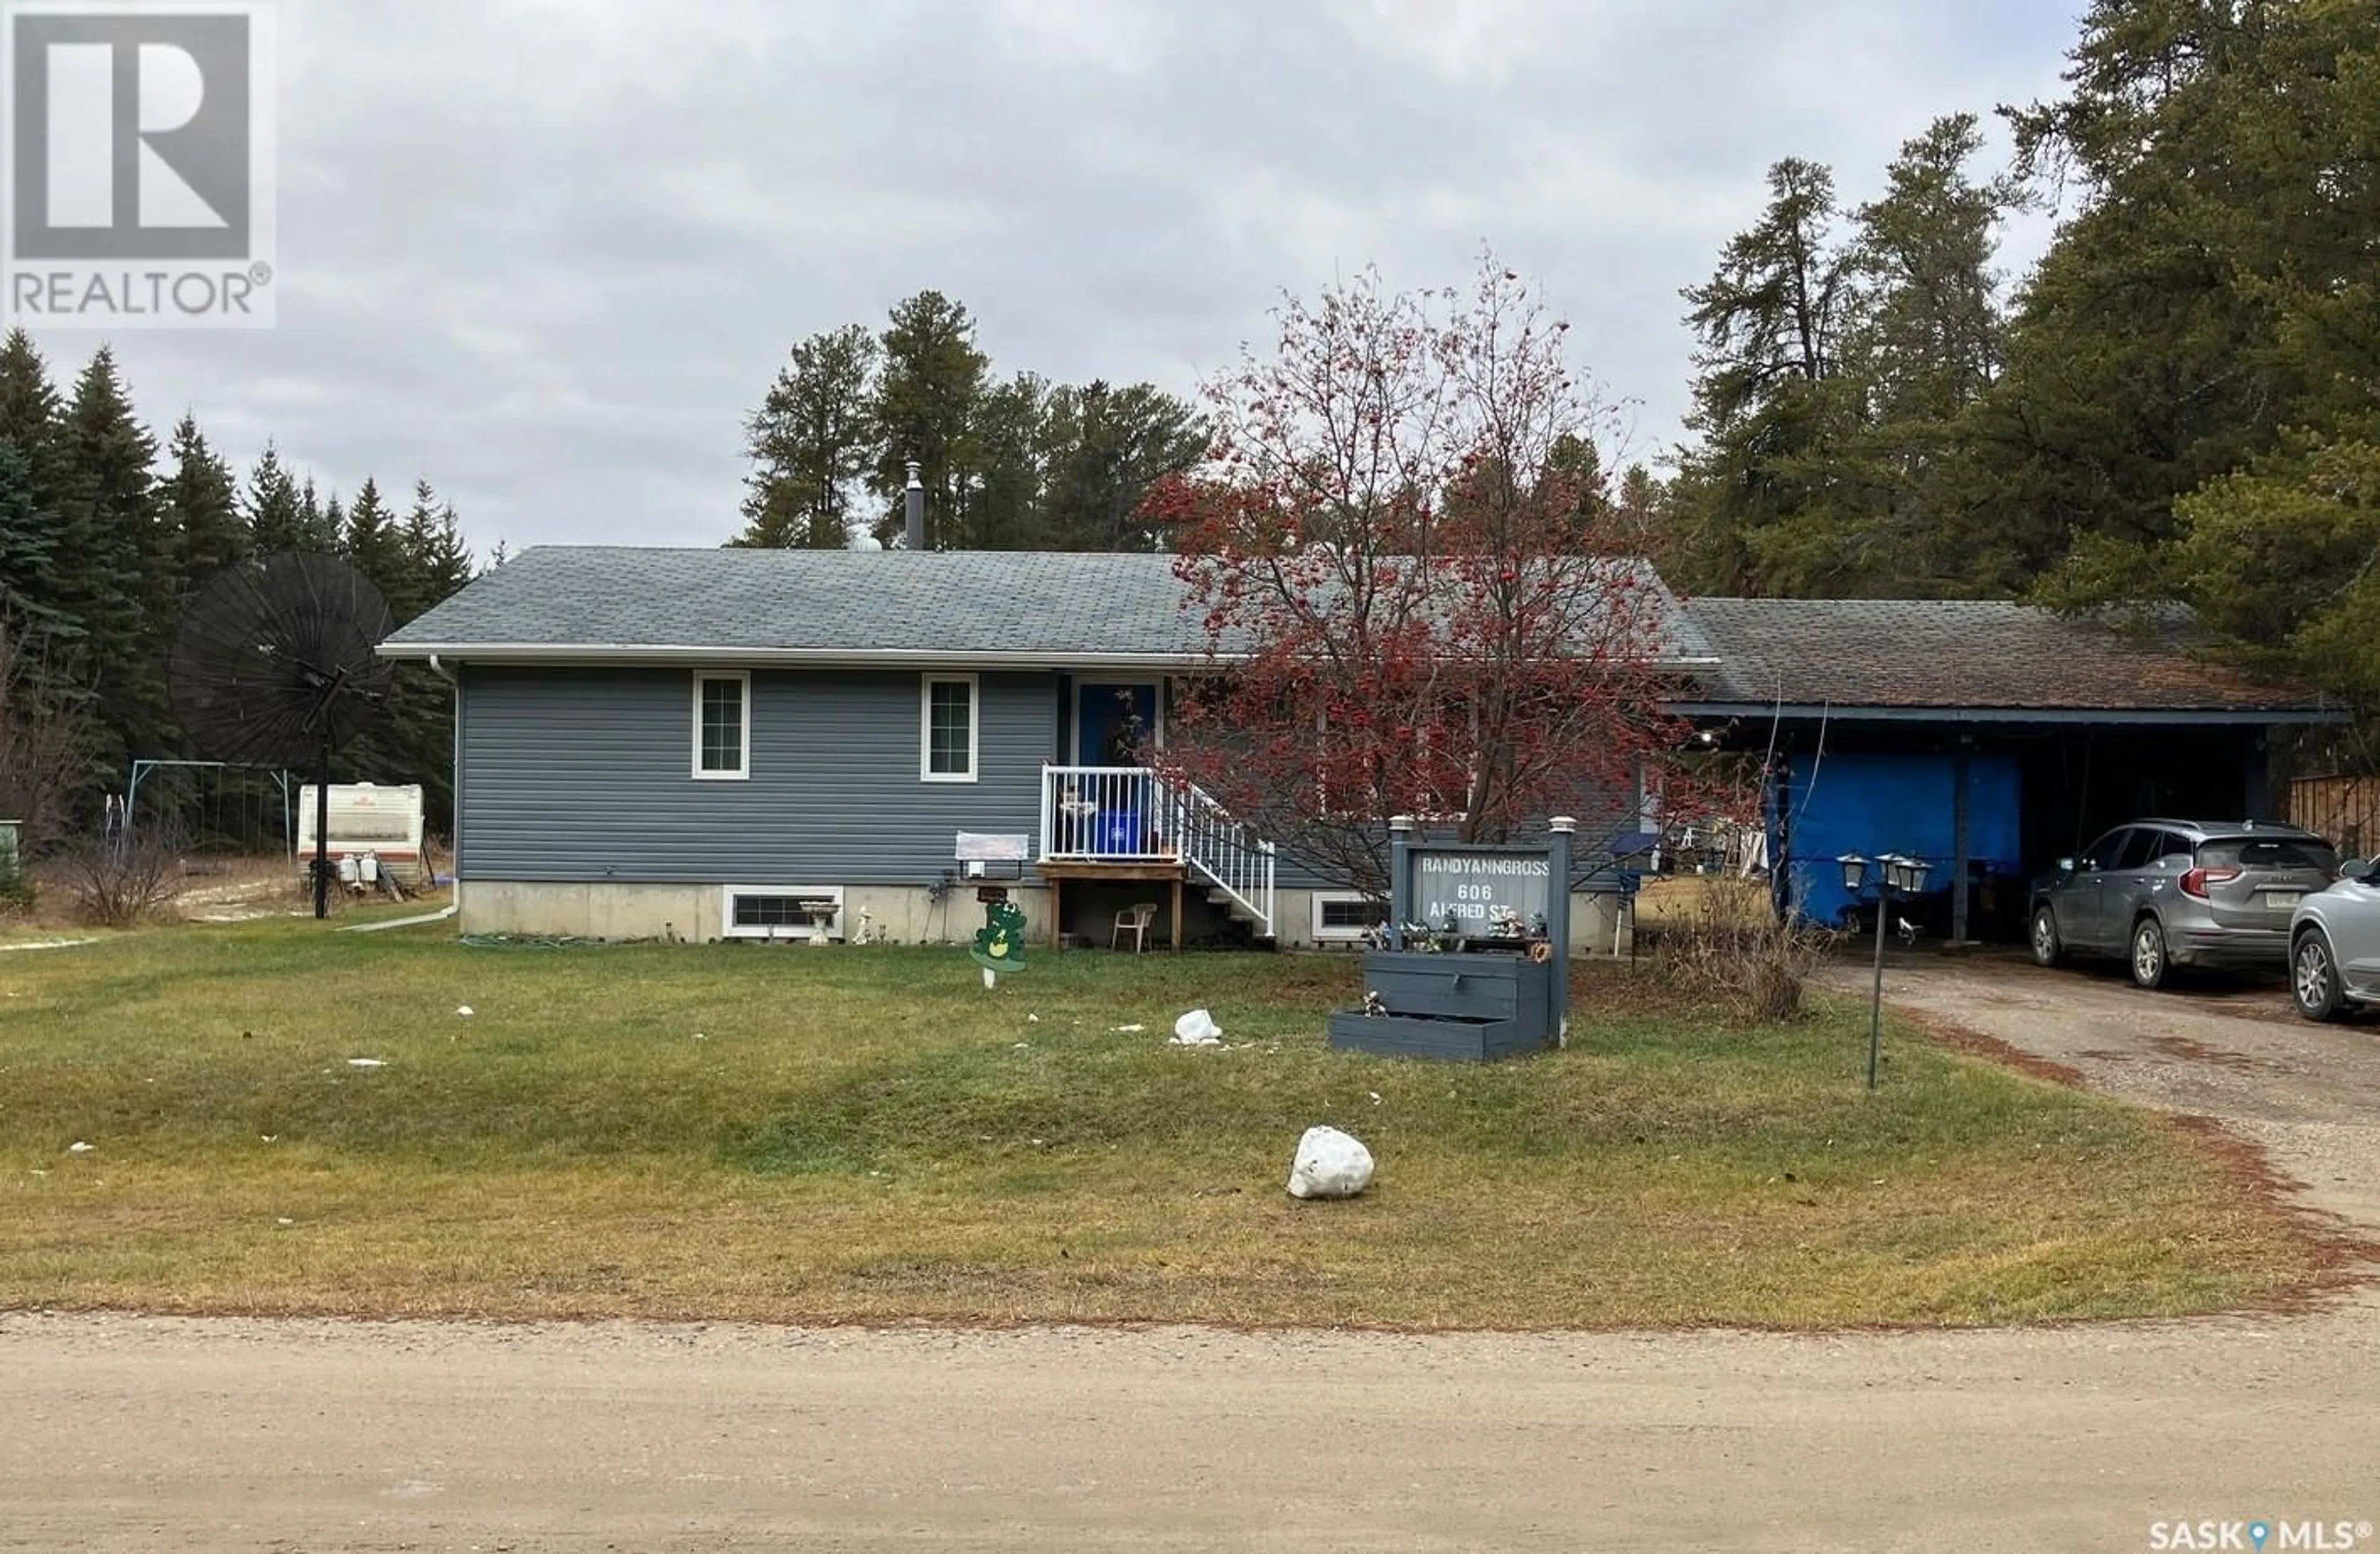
x=2335 y=945
x=2168 y=893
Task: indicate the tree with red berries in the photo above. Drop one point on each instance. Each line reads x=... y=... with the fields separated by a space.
x=1416 y=593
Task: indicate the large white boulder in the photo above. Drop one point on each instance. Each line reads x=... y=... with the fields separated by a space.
x=1329 y=1164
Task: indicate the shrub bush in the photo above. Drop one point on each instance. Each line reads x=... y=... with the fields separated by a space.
x=1731 y=952
x=119 y=882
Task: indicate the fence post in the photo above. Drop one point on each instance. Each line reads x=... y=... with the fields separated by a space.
x=1565 y=829
x=1400 y=878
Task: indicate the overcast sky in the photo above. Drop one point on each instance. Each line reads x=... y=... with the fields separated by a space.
x=550 y=252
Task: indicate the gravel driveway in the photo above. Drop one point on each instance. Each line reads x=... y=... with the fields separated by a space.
x=2231 y=1049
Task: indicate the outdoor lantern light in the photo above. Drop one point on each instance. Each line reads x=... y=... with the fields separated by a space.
x=1893 y=873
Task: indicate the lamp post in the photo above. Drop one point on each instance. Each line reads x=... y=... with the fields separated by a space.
x=1893 y=872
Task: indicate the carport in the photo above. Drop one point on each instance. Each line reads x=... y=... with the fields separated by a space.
x=1988 y=738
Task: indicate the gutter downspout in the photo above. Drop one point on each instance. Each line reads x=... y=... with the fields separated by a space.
x=454 y=787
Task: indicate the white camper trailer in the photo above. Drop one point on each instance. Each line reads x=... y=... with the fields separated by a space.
x=367 y=820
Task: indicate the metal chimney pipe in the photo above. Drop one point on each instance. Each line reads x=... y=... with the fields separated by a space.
x=914 y=531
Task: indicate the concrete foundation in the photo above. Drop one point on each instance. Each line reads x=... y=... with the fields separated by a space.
x=892 y=914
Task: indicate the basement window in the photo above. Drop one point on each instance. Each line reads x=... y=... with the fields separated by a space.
x=782 y=912
x=1344 y=917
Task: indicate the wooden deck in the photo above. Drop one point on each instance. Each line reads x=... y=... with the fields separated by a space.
x=1058 y=870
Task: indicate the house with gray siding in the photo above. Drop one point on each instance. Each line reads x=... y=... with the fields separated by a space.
x=830 y=744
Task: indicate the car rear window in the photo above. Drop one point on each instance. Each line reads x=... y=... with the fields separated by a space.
x=2261 y=852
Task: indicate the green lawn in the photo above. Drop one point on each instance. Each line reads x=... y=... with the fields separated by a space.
x=801 y=1133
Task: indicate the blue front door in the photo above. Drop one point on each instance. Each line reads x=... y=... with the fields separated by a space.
x=1114 y=725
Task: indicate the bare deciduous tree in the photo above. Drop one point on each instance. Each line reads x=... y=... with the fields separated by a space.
x=44 y=736
x=1415 y=594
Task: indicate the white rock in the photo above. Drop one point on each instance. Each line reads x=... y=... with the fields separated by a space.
x=1197 y=1028
x=1329 y=1164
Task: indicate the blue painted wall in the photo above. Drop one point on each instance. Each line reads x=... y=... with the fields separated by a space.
x=1876 y=804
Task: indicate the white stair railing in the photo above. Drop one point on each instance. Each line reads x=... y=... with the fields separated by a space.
x=1226 y=853
x=1133 y=814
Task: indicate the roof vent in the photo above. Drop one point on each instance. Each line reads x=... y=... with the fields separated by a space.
x=914 y=531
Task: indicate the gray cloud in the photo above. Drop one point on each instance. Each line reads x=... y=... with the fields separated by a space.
x=550 y=254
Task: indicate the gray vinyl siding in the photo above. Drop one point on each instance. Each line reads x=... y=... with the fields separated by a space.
x=585 y=775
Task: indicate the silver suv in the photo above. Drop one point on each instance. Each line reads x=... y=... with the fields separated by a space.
x=2167 y=893
x=2335 y=945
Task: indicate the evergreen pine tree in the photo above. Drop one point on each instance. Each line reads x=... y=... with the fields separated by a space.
x=202 y=511
x=274 y=510
x=34 y=549
x=449 y=557
x=924 y=409
x=998 y=500
x=27 y=562
x=372 y=542
x=1108 y=447
x=1769 y=406
x=438 y=560
x=115 y=561
x=809 y=443
x=316 y=530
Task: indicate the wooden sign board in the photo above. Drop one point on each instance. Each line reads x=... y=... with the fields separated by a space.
x=1472 y=885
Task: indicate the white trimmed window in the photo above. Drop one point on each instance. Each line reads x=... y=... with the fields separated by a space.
x=946 y=738
x=723 y=726
x=1344 y=917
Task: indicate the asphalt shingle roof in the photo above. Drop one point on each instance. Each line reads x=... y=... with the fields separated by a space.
x=1963 y=653
x=961 y=604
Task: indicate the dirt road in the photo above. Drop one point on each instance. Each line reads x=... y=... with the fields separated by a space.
x=139 y=1434
x=126 y=1433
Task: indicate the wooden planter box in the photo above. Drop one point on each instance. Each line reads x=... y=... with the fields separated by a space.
x=1458 y=1008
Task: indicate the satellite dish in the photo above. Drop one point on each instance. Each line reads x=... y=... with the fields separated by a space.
x=275 y=666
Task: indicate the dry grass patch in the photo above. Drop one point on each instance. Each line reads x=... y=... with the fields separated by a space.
x=866 y=1135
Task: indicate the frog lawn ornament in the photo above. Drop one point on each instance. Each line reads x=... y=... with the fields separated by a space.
x=1000 y=943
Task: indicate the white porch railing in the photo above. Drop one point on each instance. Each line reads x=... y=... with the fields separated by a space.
x=1132 y=814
